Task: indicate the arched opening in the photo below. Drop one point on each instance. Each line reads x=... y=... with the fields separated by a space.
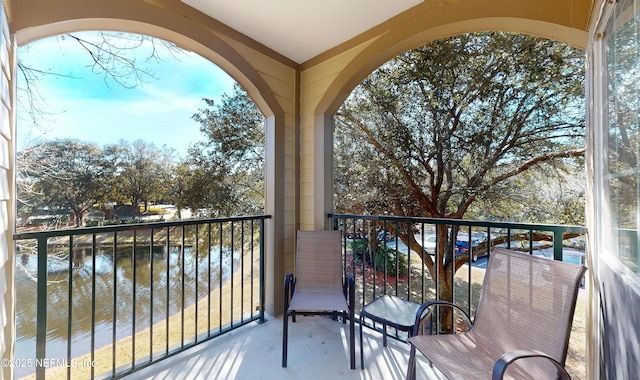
x=408 y=132
x=143 y=106
x=109 y=281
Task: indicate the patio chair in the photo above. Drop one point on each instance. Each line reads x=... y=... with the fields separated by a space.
x=522 y=325
x=319 y=287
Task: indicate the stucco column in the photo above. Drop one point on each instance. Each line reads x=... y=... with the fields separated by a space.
x=323 y=171
x=274 y=206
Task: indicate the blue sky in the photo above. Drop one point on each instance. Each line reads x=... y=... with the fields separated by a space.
x=86 y=108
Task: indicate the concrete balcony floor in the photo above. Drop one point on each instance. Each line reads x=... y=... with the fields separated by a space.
x=318 y=349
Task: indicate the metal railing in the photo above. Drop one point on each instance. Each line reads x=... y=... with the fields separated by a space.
x=139 y=293
x=388 y=254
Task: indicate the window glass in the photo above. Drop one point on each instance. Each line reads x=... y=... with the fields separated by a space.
x=623 y=87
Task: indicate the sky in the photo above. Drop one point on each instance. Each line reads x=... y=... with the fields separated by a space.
x=85 y=107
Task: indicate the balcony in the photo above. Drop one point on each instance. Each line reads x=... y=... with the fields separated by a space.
x=318 y=349
x=186 y=299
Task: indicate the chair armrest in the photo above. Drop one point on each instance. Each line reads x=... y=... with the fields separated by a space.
x=424 y=312
x=350 y=292
x=289 y=289
x=510 y=357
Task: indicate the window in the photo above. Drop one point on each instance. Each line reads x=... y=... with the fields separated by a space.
x=623 y=106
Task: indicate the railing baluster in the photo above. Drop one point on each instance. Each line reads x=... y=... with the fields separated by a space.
x=196 y=284
x=115 y=304
x=384 y=262
x=471 y=255
x=182 y=254
x=41 y=321
x=208 y=280
x=558 y=239
x=93 y=303
x=423 y=252
x=409 y=238
x=253 y=243
x=530 y=241
x=151 y=294
x=220 y=280
x=70 y=312
x=231 y=272
x=262 y=274
x=168 y=295
x=133 y=324
x=241 y=272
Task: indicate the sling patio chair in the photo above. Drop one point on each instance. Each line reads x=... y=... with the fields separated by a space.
x=522 y=324
x=319 y=287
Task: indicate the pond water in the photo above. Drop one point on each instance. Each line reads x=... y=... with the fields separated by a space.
x=160 y=275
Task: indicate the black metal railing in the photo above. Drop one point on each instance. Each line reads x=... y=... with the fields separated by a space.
x=112 y=300
x=388 y=254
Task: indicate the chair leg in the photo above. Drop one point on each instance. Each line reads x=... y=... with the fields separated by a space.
x=285 y=338
x=411 y=368
x=361 y=350
x=352 y=344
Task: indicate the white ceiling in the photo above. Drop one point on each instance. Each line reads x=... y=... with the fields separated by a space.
x=301 y=29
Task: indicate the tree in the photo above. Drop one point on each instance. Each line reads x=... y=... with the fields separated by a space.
x=110 y=54
x=225 y=174
x=445 y=126
x=64 y=174
x=141 y=172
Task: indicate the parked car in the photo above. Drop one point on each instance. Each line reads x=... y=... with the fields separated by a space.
x=386 y=236
x=462 y=246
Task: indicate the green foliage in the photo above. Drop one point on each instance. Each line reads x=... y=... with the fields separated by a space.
x=483 y=125
x=394 y=262
x=64 y=174
x=385 y=256
x=358 y=248
x=442 y=128
x=225 y=174
x=143 y=172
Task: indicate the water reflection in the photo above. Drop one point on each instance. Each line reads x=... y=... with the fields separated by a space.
x=155 y=287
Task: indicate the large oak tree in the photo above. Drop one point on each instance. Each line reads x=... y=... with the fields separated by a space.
x=452 y=124
x=66 y=175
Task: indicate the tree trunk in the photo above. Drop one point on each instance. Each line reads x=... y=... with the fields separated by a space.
x=445 y=261
x=78 y=216
x=445 y=293
x=136 y=207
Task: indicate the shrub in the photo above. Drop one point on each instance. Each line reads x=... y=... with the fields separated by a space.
x=389 y=254
x=360 y=247
x=357 y=247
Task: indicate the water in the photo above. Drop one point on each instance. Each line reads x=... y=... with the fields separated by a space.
x=168 y=271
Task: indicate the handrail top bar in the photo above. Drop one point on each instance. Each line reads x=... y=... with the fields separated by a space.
x=129 y=227
x=466 y=222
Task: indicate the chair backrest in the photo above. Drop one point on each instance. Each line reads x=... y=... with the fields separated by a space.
x=527 y=302
x=318 y=259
